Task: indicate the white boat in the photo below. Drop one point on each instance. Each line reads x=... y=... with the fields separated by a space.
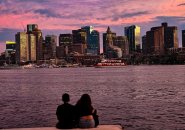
x=110 y=63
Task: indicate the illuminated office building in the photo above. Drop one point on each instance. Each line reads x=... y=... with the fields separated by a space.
x=32 y=47
x=22 y=50
x=10 y=45
x=133 y=35
x=33 y=29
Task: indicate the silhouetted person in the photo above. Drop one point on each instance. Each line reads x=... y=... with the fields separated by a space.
x=84 y=112
x=65 y=114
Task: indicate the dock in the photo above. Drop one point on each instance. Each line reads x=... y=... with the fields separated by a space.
x=100 y=127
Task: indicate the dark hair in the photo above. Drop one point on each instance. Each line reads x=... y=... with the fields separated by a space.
x=85 y=99
x=65 y=97
x=84 y=104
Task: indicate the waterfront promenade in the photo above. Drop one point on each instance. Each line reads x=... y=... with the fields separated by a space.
x=100 y=127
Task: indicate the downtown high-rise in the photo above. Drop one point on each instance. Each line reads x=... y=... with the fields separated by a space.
x=160 y=39
x=93 y=40
x=29 y=47
x=133 y=35
x=22 y=48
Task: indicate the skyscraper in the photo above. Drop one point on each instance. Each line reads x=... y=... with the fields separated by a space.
x=50 y=46
x=65 y=39
x=155 y=41
x=170 y=36
x=159 y=39
x=183 y=38
x=39 y=43
x=122 y=42
x=93 y=42
x=79 y=36
x=79 y=41
x=144 y=45
x=133 y=35
x=22 y=50
x=33 y=29
x=32 y=47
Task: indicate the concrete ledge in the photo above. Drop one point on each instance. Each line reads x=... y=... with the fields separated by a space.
x=100 y=127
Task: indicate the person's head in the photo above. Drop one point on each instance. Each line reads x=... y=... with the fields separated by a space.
x=85 y=99
x=65 y=98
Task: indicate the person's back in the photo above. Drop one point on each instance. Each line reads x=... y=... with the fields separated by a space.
x=65 y=114
x=85 y=112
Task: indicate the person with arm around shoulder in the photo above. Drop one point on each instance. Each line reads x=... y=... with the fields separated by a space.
x=84 y=112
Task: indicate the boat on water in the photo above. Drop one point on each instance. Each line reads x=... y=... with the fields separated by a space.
x=105 y=63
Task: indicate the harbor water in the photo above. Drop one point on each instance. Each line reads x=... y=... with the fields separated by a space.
x=137 y=97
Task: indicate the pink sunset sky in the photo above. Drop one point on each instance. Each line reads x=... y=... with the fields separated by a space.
x=62 y=16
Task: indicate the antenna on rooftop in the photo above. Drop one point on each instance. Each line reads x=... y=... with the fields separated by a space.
x=24 y=28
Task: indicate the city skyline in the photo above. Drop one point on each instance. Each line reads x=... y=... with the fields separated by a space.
x=57 y=17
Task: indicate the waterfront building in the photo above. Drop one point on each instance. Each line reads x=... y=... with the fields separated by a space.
x=79 y=48
x=170 y=36
x=93 y=40
x=50 y=47
x=32 y=47
x=109 y=48
x=22 y=50
x=144 y=45
x=10 y=51
x=159 y=39
x=133 y=35
x=33 y=29
x=61 y=51
x=122 y=42
x=155 y=41
x=112 y=36
x=79 y=41
x=25 y=47
x=10 y=45
x=79 y=36
x=183 y=38
x=65 y=39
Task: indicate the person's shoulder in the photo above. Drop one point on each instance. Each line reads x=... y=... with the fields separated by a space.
x=70 y=105
x=60 y=106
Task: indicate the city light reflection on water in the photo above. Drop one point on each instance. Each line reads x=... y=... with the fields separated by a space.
x=137 y=97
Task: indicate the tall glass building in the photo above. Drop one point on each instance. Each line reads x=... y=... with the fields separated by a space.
x=93 y=40
x=133 y=35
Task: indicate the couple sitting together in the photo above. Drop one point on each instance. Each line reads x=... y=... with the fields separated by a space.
x=82 y=115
